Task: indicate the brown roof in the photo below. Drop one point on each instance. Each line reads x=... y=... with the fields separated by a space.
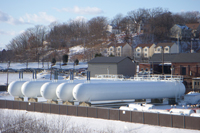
x=164 y=44
x=144 y=45
x=193 y=26
x=117 y=44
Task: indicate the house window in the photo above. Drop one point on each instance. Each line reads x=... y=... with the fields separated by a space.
x=146 y=69
x=138 y=49
x=145 y=49
x=158 y=49
x=138 y=54
x=166 y=49
x=118 y=49
x=110 y=49
x=145 y=55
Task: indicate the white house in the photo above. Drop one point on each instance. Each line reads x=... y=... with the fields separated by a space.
x=144 y=50
x=167 y=47
x=180 y=32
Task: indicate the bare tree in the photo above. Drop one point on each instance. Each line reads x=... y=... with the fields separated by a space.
x=97 y=30
x=117 y=21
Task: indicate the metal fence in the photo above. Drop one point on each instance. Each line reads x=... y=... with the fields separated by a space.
x=166 y=120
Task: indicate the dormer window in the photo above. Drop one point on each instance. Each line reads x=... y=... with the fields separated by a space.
x=158 y=49
x=166 y=49
x=145 y=49
x=110 y=49
x=138 y=49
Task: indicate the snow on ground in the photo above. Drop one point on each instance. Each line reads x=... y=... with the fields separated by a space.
x=82 y=124
x=76 y=50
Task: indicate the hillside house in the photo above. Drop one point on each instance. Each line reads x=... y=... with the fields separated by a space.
x=195 y=30
x=168 y=48
x=144 y=50
x=181 y=32
x=111 y=65
x=119 y=49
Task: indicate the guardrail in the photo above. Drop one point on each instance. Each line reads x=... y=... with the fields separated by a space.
x=177 y=121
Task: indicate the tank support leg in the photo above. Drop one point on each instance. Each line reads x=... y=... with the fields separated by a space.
x=32 y=99
x=18 y=98
x=68 y=103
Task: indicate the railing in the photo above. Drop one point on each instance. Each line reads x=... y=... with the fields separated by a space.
x=152 y=77
x=110 y=76
x=146 y=77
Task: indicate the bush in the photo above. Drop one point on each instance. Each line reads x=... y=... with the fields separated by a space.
x=111 y=55
x=53 y=61
x=98 y=55
x=76 y=62
x=65 y=59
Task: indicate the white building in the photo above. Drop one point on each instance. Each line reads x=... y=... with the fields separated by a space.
x=119 y=49
x=144 y=50
x=167 y=47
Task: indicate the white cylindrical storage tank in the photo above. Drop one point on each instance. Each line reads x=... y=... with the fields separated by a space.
x=32 y=88
x=127 y=90
x=182 y=111
x=48 y=90
x=14 y=88
x=195 y=114
x=64 y=91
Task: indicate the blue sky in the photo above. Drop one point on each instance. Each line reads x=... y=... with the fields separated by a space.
x=18 y=15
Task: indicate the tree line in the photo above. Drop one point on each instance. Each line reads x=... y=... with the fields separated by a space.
x=44 y=42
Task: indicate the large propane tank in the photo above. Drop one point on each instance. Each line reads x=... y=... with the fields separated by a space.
x=64 y=91
x=48 y=90
x=181 y=111
x=127 y=90
x=31 y=89
x=14 y=88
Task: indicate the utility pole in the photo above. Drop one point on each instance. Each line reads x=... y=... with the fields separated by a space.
x=8 y=65
x=178 y=43
x=163 y=60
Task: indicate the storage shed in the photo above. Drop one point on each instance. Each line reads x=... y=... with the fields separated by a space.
x=111 y=65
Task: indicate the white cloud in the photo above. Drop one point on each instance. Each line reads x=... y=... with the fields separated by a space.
x=7 y=32
x=4 y=17
x=80 y=18
x=79 y=10
x=41 y=17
